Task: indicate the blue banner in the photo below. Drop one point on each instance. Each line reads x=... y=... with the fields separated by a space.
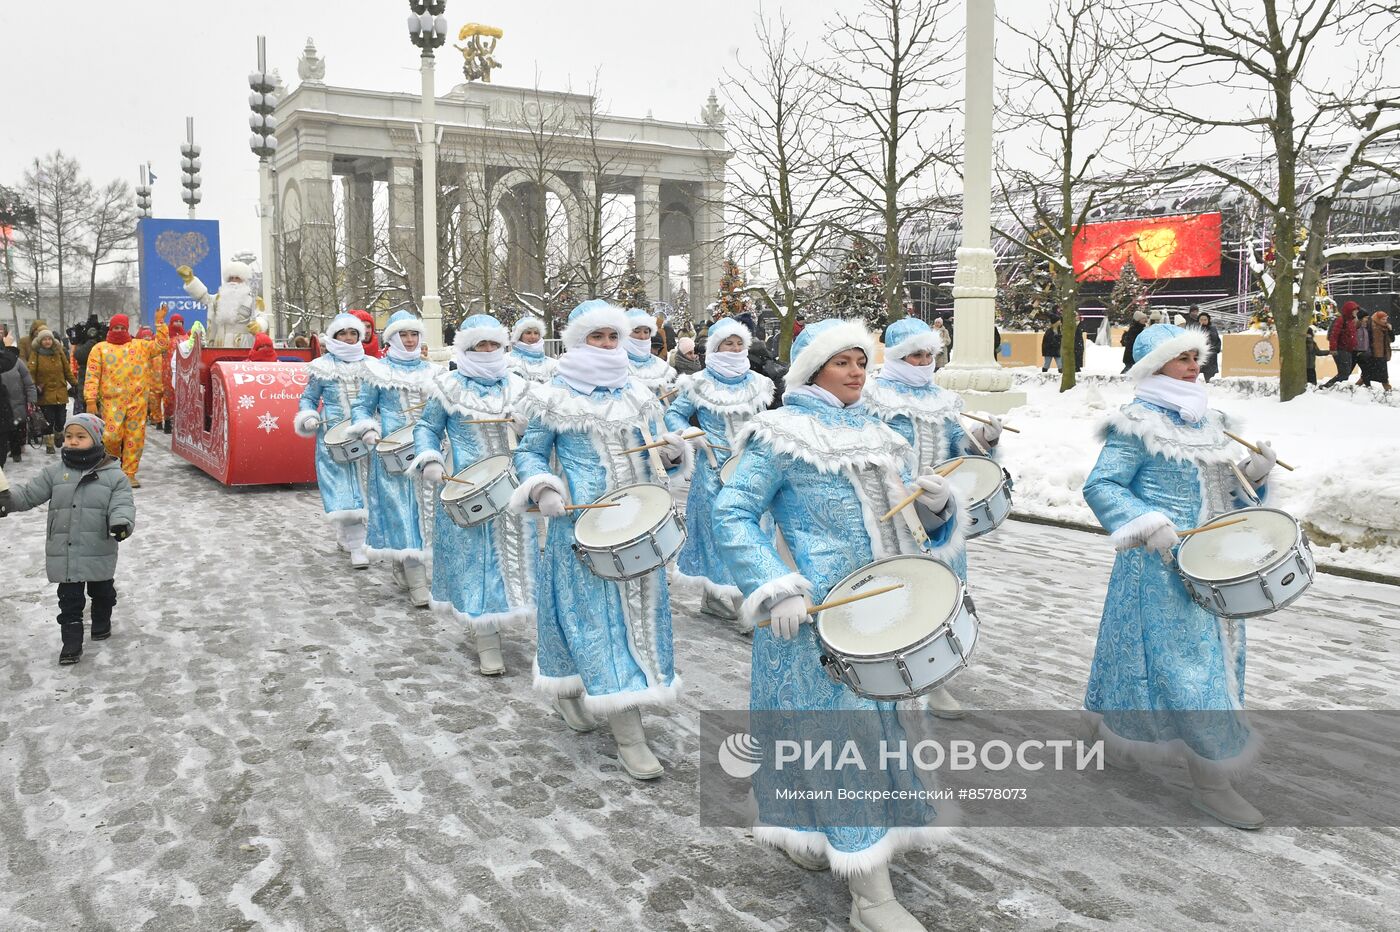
x=164 y=246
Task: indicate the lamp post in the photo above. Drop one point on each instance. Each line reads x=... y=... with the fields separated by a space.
x=263 y=142
x=143 y=194
x=427 y=29
x=189 y=168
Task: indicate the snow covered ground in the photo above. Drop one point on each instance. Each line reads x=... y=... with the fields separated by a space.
x=271 y=741
x=1344 y=443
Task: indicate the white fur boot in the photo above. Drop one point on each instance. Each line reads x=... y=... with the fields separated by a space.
x=574 y=714
x=416 y=576
x=942 y=704
x=399 y=579
x=488 y=652
x=1218 y=799
x=632 y=749
x=873 y=906
x=352 y=539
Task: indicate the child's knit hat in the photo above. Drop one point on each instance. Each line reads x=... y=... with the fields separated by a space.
x=90 y=423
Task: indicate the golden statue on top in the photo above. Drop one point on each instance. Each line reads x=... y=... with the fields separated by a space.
x=478 y=58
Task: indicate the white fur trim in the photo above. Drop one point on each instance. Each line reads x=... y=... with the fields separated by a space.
x=358 y=428
x=198 y=290
x=557 y=687
x=348 y=516
x=635 y=320
x=957 y=541
x=1202 y=445
x=687 y=464
x=423 y=459
x=612 y=703
x=713 y=339
x=301 y=421
x=847 y=863
x=829 y=449
x=239 y=269
x=345 y=321
x=1135 y=532
x=578 y=329
x=491 y=621
x=750 y=396
x=929 y=340
x=524 y=495
x=935 y=404
x=397 y=326
x=654 y=373
x=560 y=408
x=377 y=553
x=1173 y=751
x=762 y=598
x=464 y=340
x=1168 y=350
x=847 y=335
x=526 y=323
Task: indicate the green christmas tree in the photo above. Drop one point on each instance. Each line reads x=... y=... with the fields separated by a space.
x=856 y=291
x=631 y=291
x=731 y=288
x=1129 y=294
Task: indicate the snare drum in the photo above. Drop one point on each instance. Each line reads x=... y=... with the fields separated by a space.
x=492 y=482
x=641 y=534
x=726 y=472
x=342 y=447
x=396 y=450
x=903 y=643
x=1247 y=569
x=986 y=489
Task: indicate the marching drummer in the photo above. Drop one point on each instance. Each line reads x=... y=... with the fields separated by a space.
x=604 y=647
x=526 y=358
x=1166 y=465
x=823 y=453
x=722 y=397
x=333 y=382
x=646 y=368
x=904 y=396
x=483 y=575
x=391 y=395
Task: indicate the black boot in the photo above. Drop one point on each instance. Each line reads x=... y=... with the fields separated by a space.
x=103 y=601
x=165 y=425
x=72 y=644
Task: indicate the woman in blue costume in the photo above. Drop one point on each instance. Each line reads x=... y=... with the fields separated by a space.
x=646 y=368
x=391 y=395
x=1160 y=658
x=903 y=395
x=526 y=358
x=721 y=397
x=333 y=382
x=827 y=470
x=604 y=647
x=483 y=576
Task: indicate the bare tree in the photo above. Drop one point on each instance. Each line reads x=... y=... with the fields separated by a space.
x=1314 y=110
x=108 y=233
x=886 y=83
x=606 y=229
x=780 y=188
x=62 y=200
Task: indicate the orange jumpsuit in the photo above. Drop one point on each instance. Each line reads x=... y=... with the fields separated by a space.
x=159 y=349
x=120 y=378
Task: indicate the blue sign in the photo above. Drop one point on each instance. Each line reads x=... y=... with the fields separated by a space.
x=164 y=246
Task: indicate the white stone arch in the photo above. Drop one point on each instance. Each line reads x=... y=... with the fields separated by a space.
x=557 y=186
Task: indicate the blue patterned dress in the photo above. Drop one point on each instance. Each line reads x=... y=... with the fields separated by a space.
x=483 y=575
x=651 y=371
x=331 y=389
x=1159 y=656
x=390 y=390
x=721 y=406
x=609 y=640
x=826 y=474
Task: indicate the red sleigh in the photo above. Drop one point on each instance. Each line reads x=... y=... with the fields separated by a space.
x=233 y=418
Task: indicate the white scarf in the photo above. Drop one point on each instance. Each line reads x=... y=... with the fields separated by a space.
x=586 y=367
x=897 y=370
x=533 y=350
x=639 y=348
x=729 y=365
x=345 y=352
x=1185 y=398
x=488 y=367
x=397 y=352
x=817 y=392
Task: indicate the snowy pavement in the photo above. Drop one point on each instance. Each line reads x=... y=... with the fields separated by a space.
x=272 y=741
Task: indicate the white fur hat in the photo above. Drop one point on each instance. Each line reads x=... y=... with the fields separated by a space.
x=1161 y=343
x=818 y=342
x=636 y=317
x=723 y=329
x=344 y=321
x=526 y=323
x=911 y=335
x=235 y=269
x=399 y=321
x=595 y=314
x=476 y=328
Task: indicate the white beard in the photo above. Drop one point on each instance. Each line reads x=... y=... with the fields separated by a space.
x=233 y=308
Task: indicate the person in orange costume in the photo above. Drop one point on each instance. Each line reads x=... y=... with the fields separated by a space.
x=120 y=377
x=158 y=345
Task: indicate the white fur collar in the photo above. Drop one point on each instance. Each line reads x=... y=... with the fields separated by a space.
x=753 y=394
x=653 y=373
x=383 y=373
x=933 y=404
x=563 y=409
x=1201 y=444
x=329 y=369
x=457 y=400
x=829 y=447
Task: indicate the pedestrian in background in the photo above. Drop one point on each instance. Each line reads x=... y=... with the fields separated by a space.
x=1130 y=337
x=1050 y=346
x=1342 y=340
x=52 y=374
x=23 y=396
x=1210 y=367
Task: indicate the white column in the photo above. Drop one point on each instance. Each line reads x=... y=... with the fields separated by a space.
x=973 y=371
x=432 y=308
x=267 y=211
x=648 y=235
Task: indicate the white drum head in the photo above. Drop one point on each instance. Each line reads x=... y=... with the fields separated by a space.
x=397 y=438
x=639 y=508
x=338 y=433
x=726 y=472
x=897 y=619
x=975 y=479
x=1240 y=549
x=478 y=474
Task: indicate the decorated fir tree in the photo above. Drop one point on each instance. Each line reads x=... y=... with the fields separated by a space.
x=631 y=290
x=856 y=291
x=1129 y=294
x=731 y=288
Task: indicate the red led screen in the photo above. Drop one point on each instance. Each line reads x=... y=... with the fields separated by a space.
x=1158 y=247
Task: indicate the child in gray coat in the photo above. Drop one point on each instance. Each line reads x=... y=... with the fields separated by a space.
x=91 y=509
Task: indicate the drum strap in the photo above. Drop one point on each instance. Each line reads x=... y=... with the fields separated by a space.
x=654 y=454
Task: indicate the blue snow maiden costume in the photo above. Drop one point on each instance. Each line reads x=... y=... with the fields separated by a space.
x=1166 y=464
x=392 y=394
x=827 y=474
x=647 y=369
x=609 y=642
x=333 y=382
x=483 y=576
x=721 y=398
x=528 y=360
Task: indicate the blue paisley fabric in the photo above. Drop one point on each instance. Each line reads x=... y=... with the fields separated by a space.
x=390 y=390
x=826 y=474
x=331 y=389
x=483 y=575
x=1159 y=656
x=609 y=640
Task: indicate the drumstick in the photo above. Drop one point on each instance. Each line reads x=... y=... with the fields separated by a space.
x=715 y=446
x=945 y=471
x=455 y=479
x=489 y=420
x=813 y=609
x=662 y=443
x=421 y=404
x=1246 y=486
x=584 y=507
x=1238 y=439
x=982 y=420
x=668 y=394
x=1210 y=527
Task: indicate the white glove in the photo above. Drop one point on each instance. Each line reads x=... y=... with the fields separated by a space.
x=787 y=615
x=312 y=423
x=1162 y=540
x=675 y=446
x=936 y=491
x=989 y=434
x=518 y=424
x=1257 y=467
x=434 y=474
x=370 y=436
x=551 y=503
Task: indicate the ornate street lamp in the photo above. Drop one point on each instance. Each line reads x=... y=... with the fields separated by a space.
x=189 y=168
x=427 y=29
x=263 y=142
